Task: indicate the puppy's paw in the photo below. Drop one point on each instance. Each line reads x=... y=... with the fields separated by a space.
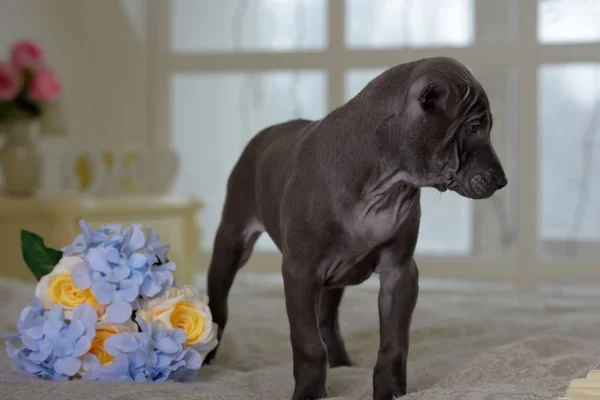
x=388 y=393
x=310 y=394
x=335 y=362
x=210 y=357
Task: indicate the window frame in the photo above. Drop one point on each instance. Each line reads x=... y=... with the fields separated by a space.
x=527 y=269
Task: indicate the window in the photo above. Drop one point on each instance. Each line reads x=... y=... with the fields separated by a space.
x=568 y=141
x=224 y=70
x=393 y=23
x=225 y=110
x=248 y=26
x=568 y=21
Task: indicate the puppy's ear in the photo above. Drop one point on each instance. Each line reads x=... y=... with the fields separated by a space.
x=434 y=98
x=431 y=92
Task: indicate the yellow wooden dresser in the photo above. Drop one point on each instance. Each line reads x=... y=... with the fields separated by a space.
x=56 y=220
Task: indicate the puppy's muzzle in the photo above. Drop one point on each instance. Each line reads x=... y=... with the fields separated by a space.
x=486 y=183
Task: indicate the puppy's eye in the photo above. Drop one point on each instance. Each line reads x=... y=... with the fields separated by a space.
x=473 y=127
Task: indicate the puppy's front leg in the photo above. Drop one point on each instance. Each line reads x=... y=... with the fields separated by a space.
x=399 y=288
x=330 y=329
x=302 y=292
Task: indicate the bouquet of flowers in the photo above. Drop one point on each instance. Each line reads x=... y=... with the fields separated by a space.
x=106 y=308
x=27 y=85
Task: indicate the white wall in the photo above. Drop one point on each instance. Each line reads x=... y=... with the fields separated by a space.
x=99 y=50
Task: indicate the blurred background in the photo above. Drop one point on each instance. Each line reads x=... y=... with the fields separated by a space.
x=158 y=98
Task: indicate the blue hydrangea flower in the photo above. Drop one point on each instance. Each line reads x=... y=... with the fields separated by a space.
x=157 y=279
x=154 y=251
x=151 y=355
x=105 y=272
x=109 y=284
x=117 y=267
x=131 y=257
x=101 y=264
x=48 y=347
x=159 y=273
x=113 y=232
x=32 y=316
x=115 y=273
x=116 y=259
x=87 y=238
x=119 y=261
x=120 y=298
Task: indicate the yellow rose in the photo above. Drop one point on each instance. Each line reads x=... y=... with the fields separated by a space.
x=104 y=330
x=57 y=287
x=185 y=309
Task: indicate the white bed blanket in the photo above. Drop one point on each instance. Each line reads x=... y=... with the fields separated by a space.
x=479 y=345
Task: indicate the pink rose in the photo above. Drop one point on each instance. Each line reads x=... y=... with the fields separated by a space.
x=26 y=55
x=44 y=86
x=10 y=82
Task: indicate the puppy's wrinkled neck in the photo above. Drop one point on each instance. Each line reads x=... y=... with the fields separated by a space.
x=388 y=182
x=387 y=202
x=388 y=188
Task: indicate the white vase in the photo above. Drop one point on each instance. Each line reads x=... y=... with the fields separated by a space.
x=20 y=159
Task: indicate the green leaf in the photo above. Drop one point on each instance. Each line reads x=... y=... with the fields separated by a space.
x=40 y=259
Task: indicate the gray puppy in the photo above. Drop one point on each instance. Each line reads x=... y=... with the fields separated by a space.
x=340 y=199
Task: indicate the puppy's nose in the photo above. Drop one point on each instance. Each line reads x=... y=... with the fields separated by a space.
x=500 y=178
x=501 y=182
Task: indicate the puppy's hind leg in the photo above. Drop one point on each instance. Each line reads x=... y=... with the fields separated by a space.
x=233 y=246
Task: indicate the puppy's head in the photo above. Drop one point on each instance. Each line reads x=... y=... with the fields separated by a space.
x=444 y=119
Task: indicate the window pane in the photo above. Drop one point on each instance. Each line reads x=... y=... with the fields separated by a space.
x=568 y=21
x=447 y=218
x=215 y=115
x=409 y=23
x=569 y=153
x=246 y=25
x=496 y=21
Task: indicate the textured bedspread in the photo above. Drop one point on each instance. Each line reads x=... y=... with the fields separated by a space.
x=479 y=345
